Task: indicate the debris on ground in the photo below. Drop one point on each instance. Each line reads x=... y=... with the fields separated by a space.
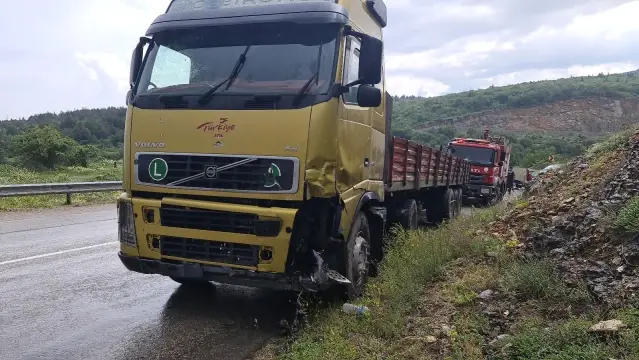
x=608 y=326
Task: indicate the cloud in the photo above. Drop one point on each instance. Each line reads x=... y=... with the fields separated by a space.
x=112 y=65
x=76 y=53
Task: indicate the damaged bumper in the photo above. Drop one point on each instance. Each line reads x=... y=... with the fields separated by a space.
x=219 y=274
x=226 y=243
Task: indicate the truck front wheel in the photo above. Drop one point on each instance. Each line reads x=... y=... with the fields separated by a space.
x=357 y=257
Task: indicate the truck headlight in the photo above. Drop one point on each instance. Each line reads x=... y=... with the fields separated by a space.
x=126 y=223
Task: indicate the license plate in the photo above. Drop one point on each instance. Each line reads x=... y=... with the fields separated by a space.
x=485 y=191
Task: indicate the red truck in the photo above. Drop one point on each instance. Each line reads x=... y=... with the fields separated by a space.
x=489 y=158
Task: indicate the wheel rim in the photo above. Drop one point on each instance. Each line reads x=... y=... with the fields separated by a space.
x=414 y=221
x=452 y=205
x=359 y=266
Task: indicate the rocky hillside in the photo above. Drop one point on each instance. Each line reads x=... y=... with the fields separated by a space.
x=589 y=117
x=576 y=217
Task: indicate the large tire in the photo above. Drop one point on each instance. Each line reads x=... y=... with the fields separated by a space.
x=458 y=198
x=357 y=257
x=449 y=206
x=409 y=216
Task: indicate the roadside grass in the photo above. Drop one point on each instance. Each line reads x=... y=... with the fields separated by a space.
x=99 y=171
x=550 y=319
x=414 y=259
x=537 y=279
x=610 y=144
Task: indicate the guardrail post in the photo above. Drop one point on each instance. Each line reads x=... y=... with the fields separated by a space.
x=68 y=198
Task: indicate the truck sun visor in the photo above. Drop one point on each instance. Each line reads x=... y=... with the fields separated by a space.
x=192 y=5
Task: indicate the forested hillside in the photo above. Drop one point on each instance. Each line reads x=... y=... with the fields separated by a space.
x=560 y=117
x=413 y=111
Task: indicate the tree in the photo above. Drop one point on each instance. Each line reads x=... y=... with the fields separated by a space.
x=43 y=145
x=4 y=146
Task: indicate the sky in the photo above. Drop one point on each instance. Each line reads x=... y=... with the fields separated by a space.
x=71 y=54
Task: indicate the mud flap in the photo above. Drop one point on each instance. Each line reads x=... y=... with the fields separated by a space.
x=337 y=277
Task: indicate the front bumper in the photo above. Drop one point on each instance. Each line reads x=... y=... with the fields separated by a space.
x=479 y=191
x=179 y=242
x=216 y=273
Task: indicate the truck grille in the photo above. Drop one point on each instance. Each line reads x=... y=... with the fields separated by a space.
x=210 y=220
x=477 y=179
x=218 y=172
x=211 y=251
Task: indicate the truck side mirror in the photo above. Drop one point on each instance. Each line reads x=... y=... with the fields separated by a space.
x=371 y=54
x=136 y=60
x=129 y=95
x=368 y=96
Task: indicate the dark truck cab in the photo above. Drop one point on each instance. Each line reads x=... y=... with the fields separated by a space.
x=489 y=158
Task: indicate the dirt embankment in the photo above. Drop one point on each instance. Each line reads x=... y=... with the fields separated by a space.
x=591 y=116
x=571 y=217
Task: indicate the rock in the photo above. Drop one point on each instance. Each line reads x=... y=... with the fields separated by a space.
x=498 y=338
x=430 y=339
x=617 y=261
x=608 y=326
x=486 y=294
x=621 y=269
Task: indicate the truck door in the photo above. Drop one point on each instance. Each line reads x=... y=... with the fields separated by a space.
x=361 y=131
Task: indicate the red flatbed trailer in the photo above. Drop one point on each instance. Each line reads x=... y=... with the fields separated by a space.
x=417 y=166
x=423 y=180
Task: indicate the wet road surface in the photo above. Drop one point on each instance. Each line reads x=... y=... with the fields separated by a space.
x=65 y=295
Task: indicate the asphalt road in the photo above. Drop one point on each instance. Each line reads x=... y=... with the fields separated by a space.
x=65 y=295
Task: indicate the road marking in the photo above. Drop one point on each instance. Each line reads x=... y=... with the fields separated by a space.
x=54 y=226
x=55 y=253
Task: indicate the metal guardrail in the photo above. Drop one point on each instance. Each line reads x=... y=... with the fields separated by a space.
x=59 y=188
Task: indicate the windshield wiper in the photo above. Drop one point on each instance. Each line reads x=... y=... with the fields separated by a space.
x=300 y=94
x=228 y=81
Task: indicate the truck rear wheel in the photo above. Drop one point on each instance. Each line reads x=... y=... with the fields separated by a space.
x=450 y=204
x=409 y=218
x=357 y=257
x=458 y=198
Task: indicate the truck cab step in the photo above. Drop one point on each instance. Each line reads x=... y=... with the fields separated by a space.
x=337 y=277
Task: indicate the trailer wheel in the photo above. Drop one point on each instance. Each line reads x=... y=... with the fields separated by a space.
x=458 y=197
x=357 y=257
x=409 y=216
x=450 y=204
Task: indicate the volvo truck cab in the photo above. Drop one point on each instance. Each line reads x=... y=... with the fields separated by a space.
x=255 y=140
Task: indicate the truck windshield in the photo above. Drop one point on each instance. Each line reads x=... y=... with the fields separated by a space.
x=279 y=59
x=475 y=155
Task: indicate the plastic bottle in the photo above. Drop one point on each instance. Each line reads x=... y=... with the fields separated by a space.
x=354 y=309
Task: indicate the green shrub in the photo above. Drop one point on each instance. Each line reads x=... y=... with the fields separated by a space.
x=628 y=218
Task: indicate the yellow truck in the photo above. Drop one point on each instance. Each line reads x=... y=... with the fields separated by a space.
x=258 y=148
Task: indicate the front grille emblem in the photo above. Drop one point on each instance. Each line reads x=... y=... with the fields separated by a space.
x=210 y=172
